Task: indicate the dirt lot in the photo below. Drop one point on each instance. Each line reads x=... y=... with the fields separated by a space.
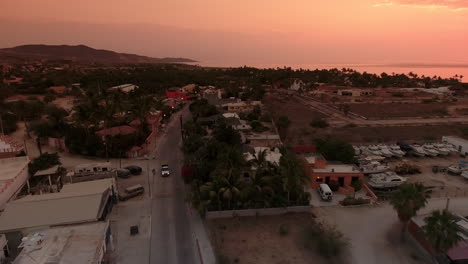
x=388 y=111
x=299 y=133
x=256 y=240
x=445 y=185
x=294 y=110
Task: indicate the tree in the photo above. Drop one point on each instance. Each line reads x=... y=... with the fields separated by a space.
x=336 y=150
x=44 y=161
x=442 y=230
x=357 y=185
x=283 y=122
x=408 y=200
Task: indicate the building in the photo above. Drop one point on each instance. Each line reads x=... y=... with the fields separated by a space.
x=4 y=252
x=189 y=88
x=9 y=148
x=58 y=89
x=176 y=93
x=460 y=144
x=355 y=92
x=264 y=140
x=74 y=204
x=457 y=254
x=125 y=88
x=13 y=175
x=297 y=85
x=241 y=107
x=320 y=171
x=75 y=244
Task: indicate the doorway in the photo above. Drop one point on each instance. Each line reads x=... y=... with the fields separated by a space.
x=341 y=181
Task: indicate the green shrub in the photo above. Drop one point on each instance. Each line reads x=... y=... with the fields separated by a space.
x=328 y=242
x=398 y=94
x=283 y=230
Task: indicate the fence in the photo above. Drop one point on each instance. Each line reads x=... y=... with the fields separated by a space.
x=258 y=212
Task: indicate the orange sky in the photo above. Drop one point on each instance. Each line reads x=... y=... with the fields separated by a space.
x=249 y=31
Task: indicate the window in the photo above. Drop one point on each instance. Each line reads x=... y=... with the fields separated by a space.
x=319 y=180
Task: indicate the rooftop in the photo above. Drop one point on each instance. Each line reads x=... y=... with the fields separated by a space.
x=49 y=171
x=11 y=167
x=124 y=87
x=8 y=145
x=77 y=244
x=338 y=168
x=314 y=157
x=82 y=202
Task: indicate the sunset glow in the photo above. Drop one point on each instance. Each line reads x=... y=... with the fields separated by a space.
x=246 y=31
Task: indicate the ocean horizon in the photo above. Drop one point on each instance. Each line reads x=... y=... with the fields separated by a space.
x=444 y=70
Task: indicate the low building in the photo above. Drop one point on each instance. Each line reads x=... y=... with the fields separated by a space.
x=297 y=85
x=241 y=106
x=320 y=171
x=457 y=254
x=125 y=88
x=74 y=204
x=460 y=144
x=189 y=88
x=9 y=148
x=176 y=93
x=13 y=175
x=76 y=244
x=58 y=89
x=264 y=140
x=355 y=92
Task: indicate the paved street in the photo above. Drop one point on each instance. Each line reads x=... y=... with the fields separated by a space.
x=171 y=234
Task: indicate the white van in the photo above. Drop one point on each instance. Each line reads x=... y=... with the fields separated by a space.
x=325 y=192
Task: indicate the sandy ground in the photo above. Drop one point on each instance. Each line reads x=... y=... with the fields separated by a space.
x=386 y=111
x=374 y=232
x=256 y=240
x=446 y=185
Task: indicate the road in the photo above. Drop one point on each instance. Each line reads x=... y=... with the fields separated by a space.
x=171 y=235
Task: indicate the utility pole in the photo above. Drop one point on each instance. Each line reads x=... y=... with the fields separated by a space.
x=447 y=204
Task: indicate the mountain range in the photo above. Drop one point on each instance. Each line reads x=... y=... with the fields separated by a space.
x=78 y=53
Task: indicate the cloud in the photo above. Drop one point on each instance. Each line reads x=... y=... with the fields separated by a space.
x=453 y=5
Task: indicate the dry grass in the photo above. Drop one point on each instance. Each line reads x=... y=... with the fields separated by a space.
x=264 y=239
x=387 y=111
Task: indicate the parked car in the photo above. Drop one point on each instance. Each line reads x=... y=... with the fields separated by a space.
x=122 y=173
x=131 y=192
x=325 y=192
x=135 y=170
x=165 y=170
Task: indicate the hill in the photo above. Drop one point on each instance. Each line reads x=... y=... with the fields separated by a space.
x=79 y=53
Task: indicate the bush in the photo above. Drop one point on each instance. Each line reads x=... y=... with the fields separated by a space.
x=319 y=123
x=354 y=201
x=258 y=127
x=334 y=185
x=398 y=94
x=328 y=242
x=283 y=230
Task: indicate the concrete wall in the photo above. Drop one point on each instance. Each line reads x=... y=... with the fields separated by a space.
x=258 y=212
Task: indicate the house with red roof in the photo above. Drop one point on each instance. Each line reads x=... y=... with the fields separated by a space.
x=176 y=93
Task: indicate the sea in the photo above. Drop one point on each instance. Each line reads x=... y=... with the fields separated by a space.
x=444 y=70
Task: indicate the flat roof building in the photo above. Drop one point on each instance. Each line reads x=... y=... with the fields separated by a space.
x=76 y=244
x=126 y=88
x=76 y=203
x=13 y=175
x=8 y=147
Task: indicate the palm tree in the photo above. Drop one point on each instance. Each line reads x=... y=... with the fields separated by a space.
x=442 y=230
x=407 y=201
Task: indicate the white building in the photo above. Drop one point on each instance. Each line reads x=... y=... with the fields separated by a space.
x=460 y=144
x=13 y=175
x=297 y=85
x=126 y=88
x=75 y=244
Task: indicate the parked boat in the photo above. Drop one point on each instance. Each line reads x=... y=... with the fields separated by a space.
x=418 y=150
x=430 y=150
x=385 y=151
x=451 y=148
x=357 y=150
x=465 y=175
x=385 y=180
x=455 y=169
x=374 y=150
x=442 y=149
x=396 y=150
x=373 y=167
